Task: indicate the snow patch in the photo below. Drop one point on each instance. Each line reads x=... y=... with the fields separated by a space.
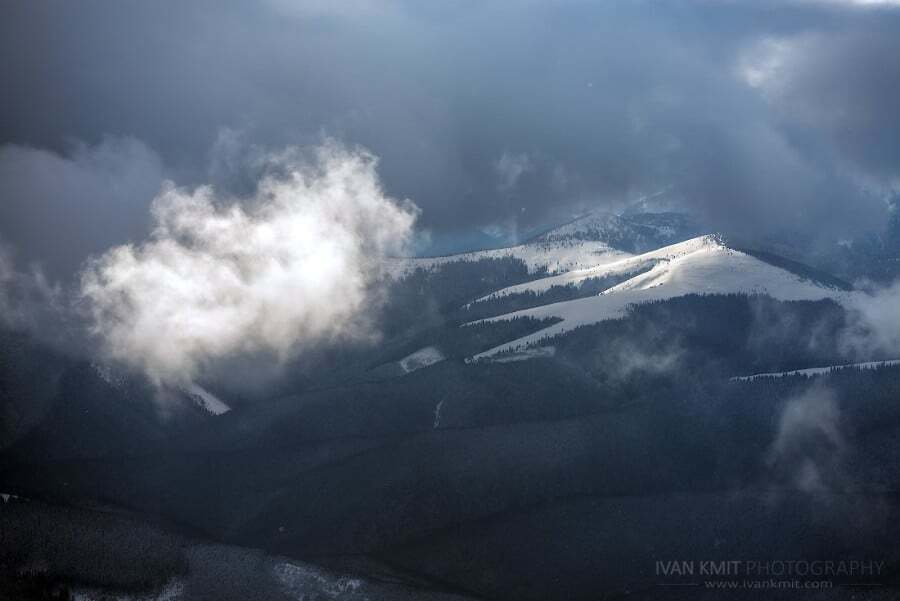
x=300 y=581
x=526 y=354
x=437 y=414
x=421 y=358
x=173 y=591
x=817 y=371
x=207 y=400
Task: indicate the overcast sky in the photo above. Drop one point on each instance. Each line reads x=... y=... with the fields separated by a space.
x=491 y=117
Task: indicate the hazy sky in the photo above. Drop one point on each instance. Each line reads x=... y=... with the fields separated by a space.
x=490 y=116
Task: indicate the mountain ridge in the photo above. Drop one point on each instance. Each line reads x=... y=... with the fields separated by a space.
x=701 y=265
x=593 y=238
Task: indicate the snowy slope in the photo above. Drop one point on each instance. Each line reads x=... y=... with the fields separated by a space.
x=620 y=267
x=702 y=265
x=556 y=257
x=594 y=239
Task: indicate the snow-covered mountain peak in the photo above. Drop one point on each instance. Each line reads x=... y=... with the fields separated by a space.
x=701 y=265
x=619 y=268
x=592 y=226
x=633 y=233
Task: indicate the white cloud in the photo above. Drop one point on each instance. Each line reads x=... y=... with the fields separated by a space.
x=764 y=65
x=510 y=167
x=29 y=301
x=874 y=330
x=809 y=447
x=295 y=266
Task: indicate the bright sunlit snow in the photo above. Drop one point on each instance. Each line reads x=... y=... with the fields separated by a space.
x=702 y=265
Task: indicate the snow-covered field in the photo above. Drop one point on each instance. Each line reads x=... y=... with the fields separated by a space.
x=702 y=265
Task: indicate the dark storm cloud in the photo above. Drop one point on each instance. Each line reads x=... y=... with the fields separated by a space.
x=496 y=115
x=843 y=85
x=58 y=208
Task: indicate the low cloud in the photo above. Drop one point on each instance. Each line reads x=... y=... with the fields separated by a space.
x=27 y=298
x=510 y=167
x=840 y=85
x=629 y=359
x=809 y=449
x=296 y=264
x=874 y=324
x=59 y=207
x=812 y=454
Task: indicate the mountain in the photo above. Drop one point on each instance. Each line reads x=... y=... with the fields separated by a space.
x=872 y=255
x=702 y=265
x=593 y=239
x=630 y=434
x=56 y=407
x=633 y=233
